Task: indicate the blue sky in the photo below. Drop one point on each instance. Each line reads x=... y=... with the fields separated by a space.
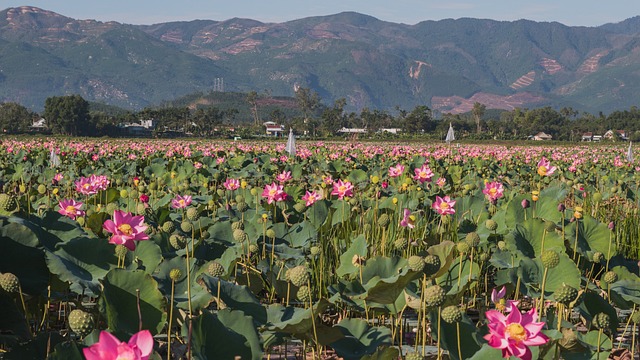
x=568 y=12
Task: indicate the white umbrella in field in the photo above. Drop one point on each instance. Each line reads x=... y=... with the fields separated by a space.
x=630 y=153
x=54 y=160
x=450 y=136
x=291 y=144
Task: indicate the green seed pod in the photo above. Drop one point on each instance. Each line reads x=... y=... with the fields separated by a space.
x=463 y=247
x=42 y=189
x=550 y=259
x=80 y=322
x=186 y=226
x=383 y=220
x=192 y=214
x=242 y=206
x=416 y=263
x=215 y=269
x=299 y=275
x=610 y=277
x=434 y=296
x=168 y=227
x=601 y=321
x=175 y=274
x=432 y=264
x=271 y=233
x=124 y=193
x=177 y=241
x=473 y=239
x=237 y=225
x=491 y=224
x=10 y=283
x=304 y=294
x=401 y=243
x=565 y=294
x=451 y=314
x=121 y=251
x=598 y=257
x=240 y=236
x=240 y=198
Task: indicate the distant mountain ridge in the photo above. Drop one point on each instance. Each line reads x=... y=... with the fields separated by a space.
x=447 y=64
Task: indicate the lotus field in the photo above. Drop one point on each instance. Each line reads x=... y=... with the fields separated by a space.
x=166 y=249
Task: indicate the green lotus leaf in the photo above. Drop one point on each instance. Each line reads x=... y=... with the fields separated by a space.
x=590 y=340
x=547 y=205
x=19 y=246
x=384 y=279
x=593 y=304
x=444 y=251
x=593 y=236
x=119 y=302
x=358 y=247
x=358 y=177
x=95 y=221
x=226 y=334
x=342 y=212
x=471 y=206
x=360 y=338
x=82 y=262
x=12 y=321
x=528 y=237
x=566 y=272
x=383 y=353
x=487 y=352
x=515 y=214
x=293 y=320
x=449 y=280
x=470 y=338
x=40 y=347
x=67 y=350
x=297 y=235
x=235 y=297
x=318 y=213
x=146 y=256
x=200 y=297
x=625 y=293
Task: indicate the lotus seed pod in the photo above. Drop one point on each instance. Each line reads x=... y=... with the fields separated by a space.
x=597 y=197
x=413 y=356
x=451 y=314
x=215 y=269
x=462 y=247
x=142 y=188
x=253 y=248
x=304 y=294
x=434 y=296
x=502 y=245
x=133 y=194
x=168 y=227
x=431 y=264
x=7 y=203
x=549 y=226
x=192 y=214
x=315 y=250
x=254 y=192
x=565 y=294
x=240 y=236
x=416 y=263
x=299 y=275
x=491 y=225
x=42 y=189
x=121 y=251
x=598 y=257
x=383 y=220
x=271 y=233
x=175 y=274
x=240 y=198
x=401 y=243
x=140 y=208
x=186 y=226
x=550 y=259
x=237 y=225
x=111 y=208
x=601 y=321
x=177 y=241
x=81 y=322
x=300 y=207
x=10 y=283
x=22 y=188
x=473 y=239
x=610 y=277
x=242 y=206
x=124 y=193
x=635 y=317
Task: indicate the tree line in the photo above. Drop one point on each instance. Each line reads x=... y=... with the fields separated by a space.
x=74 y=116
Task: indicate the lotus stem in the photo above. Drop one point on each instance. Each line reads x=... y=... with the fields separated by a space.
x=575 y=243
x=439 y=335
x=598 y=345
x=313 y=320
x=609 y=249
x=458 y=340
x=139 y=311
x=544 y=281
x=626 y=327
x=173 y=286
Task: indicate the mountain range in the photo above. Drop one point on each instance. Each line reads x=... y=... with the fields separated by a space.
x=447 y=64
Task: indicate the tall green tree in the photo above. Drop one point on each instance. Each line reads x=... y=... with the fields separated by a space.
x=478 y=112
x=67 y=115
x=15 y=117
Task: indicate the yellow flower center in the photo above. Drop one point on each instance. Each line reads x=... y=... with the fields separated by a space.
x=423 y=174
x=273 y=192
x=542 y=170
x=342 y=188
x=70 y=209
x=444 y=205
x=516 y=332
x=125 y=229
x=86 y=186
x=181 y=202
x=493 y=191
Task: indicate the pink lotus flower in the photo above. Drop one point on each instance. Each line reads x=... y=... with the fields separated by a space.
x=126 y=229
x=274 y=192
x=70 y=208
x=395 y=171
x=231 y=184
x=497 y=298
x=181 y=202
x=311 y=197
x=423 y=174
x=85 y=187
x=514 y=333
x=444 y=206
x=139 y=347
x=144 y=198
x=493 y=191
x=342 y=189
x=545 y=168
x=283 y=177
x=56 y=178
x=408 y=220
x=441 y=182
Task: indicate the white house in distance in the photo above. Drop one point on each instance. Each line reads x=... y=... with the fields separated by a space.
x=143 y=128
x=609 y=135
x=273 y=129
x=541 y=136
x=39 y=125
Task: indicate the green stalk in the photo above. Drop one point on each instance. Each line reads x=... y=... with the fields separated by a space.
x=458 y=339
x=173 y=285
x=544 y=280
